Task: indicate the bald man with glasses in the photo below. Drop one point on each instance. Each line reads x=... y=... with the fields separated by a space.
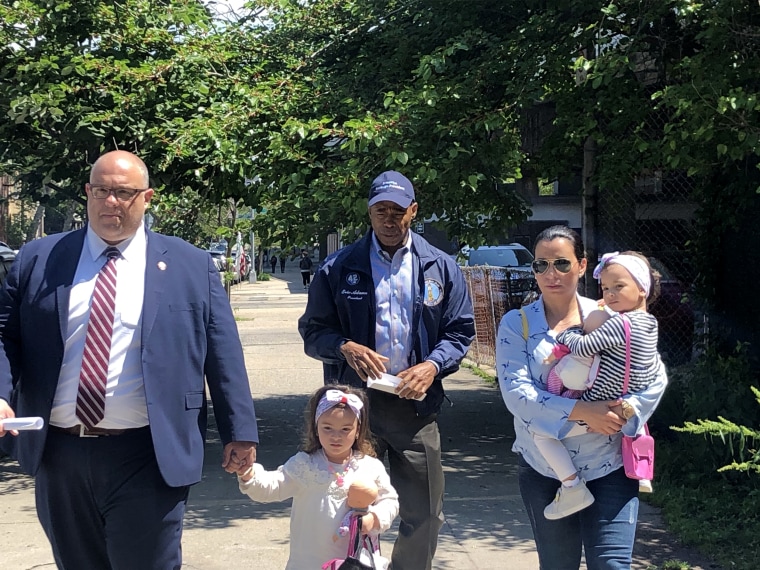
x=111 y=334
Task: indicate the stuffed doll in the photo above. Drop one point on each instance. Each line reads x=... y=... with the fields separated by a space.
x=361 y=494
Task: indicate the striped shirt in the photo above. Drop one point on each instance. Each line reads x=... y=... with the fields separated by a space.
x=609 y=342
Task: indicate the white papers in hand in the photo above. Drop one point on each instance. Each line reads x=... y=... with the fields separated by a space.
x=387 y=383
x=22 y=424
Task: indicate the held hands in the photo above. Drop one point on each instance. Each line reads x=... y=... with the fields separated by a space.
x=6 y=412
x=416 y=380
x=598 y=416
x=238 y=457
x=365 y=361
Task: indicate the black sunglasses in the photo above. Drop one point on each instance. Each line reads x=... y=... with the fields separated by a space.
x=541 y=266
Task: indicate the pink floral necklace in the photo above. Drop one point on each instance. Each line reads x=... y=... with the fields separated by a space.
x=340 y=476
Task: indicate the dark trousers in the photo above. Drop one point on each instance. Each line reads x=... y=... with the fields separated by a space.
x=104 y=505
x=413 y=446
x=306 y=277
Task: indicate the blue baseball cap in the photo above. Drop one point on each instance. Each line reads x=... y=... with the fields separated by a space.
x=392 y=186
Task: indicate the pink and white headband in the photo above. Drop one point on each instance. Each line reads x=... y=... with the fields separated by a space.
x=332 y=398
x=635 y=266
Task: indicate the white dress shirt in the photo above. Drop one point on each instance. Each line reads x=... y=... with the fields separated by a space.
x=125 y=393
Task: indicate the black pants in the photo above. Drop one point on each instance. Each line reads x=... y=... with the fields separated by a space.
x=413 y=446
x=306 y=277
x=104 y=505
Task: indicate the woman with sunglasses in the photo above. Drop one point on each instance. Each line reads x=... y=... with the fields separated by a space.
x=606 y=529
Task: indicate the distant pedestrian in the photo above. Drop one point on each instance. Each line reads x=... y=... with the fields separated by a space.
x=273 y=261
x=336 y=452
x=283 y=258
x=305 y=264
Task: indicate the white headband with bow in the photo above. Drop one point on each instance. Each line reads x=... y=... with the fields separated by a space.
x=332 y=398
x=635 y=266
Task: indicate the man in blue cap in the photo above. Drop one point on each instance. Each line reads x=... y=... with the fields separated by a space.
x=391 y=303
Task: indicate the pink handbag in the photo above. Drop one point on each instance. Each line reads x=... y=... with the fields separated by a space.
x=357 y=542
x=638 y=455
x=638 y=451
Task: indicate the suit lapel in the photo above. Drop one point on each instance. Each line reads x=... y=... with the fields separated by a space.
x=155 y=282
x=65 y=259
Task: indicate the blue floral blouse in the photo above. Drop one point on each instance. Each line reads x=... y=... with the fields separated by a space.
x=522 y=375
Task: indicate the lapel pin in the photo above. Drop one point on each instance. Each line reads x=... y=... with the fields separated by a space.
x=161 y=265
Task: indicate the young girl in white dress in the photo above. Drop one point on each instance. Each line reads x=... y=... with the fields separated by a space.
x=336 y=450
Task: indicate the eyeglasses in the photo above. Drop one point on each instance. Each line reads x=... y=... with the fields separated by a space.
x=121 y=194
x=562 y=265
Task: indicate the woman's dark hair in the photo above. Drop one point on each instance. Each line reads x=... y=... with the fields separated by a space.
x=556 y=232
x=363 y=444
x=654 y=275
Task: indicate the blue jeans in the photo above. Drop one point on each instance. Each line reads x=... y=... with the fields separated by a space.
x=606 y=530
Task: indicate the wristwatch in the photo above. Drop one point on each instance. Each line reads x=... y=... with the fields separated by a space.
x=628 y=411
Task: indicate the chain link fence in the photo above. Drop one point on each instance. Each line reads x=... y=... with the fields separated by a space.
x=494 y=291
x=655 y=215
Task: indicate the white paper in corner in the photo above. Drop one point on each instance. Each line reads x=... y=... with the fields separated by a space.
x=22 y=424
x=387 y=383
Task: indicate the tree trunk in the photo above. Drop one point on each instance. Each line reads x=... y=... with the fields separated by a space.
x=36 y=221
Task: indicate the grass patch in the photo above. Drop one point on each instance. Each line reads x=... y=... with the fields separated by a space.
x=671 y=565
x=718 y=518
x=480 y=373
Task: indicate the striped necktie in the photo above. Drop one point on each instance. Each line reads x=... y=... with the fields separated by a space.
x=91 y=397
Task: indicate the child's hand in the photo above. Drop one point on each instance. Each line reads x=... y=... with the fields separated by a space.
x=370 y=523
x=247 y=475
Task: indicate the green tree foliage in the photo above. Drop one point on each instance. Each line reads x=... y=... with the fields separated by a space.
x=406 y=86
x=78 y=79
x=313 y=98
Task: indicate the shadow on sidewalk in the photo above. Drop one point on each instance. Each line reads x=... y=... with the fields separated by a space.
x=476 y=438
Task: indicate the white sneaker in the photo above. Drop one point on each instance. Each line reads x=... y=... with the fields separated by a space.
x=645 y=486
x=569 y=500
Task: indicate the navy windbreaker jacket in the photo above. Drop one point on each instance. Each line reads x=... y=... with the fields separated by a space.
x=342 y=304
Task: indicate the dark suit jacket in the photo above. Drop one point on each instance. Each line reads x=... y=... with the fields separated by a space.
x=188 y=331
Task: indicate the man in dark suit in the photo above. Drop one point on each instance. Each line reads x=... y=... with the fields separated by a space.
x=112 y=482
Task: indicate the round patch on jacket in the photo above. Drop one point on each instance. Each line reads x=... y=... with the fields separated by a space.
x=433 y=292
x=352 y=279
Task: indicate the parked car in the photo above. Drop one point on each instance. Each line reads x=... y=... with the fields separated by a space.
x=7 y=257
x=675 y=316
x=220 y=259
x=509 y=255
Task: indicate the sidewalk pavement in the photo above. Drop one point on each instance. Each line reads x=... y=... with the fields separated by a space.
x=486 y=526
